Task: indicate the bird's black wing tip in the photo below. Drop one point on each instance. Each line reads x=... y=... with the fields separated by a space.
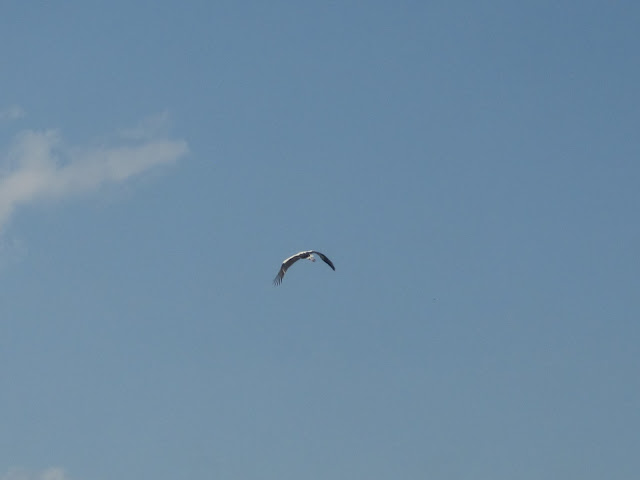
x=327 y=261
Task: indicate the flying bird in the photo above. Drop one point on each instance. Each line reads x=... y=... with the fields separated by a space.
x=294 y=258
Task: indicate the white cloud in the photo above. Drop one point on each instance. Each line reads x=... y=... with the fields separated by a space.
x=51 y=473
x=152 y=126
x=39 y=166
x=12 y=113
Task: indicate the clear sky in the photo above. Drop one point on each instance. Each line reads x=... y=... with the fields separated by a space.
x=471 y=168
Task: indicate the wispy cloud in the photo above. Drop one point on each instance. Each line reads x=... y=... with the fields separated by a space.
x=52 y=473
x=39 y=166
x=12 y=113
x=152 y=126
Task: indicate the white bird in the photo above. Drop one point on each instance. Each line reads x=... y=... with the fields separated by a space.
x=294 y=258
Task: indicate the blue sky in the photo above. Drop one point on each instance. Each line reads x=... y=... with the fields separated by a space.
x=471 y=168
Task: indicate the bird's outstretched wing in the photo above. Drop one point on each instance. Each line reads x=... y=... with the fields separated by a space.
x=325 y=259
x=286 y=264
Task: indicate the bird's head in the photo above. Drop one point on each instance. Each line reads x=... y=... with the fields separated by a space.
x=312 y=258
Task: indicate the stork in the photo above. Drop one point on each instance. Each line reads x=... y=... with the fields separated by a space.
x=308 y=254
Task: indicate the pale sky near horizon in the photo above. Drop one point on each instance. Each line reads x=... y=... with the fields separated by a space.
x=471 y=168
